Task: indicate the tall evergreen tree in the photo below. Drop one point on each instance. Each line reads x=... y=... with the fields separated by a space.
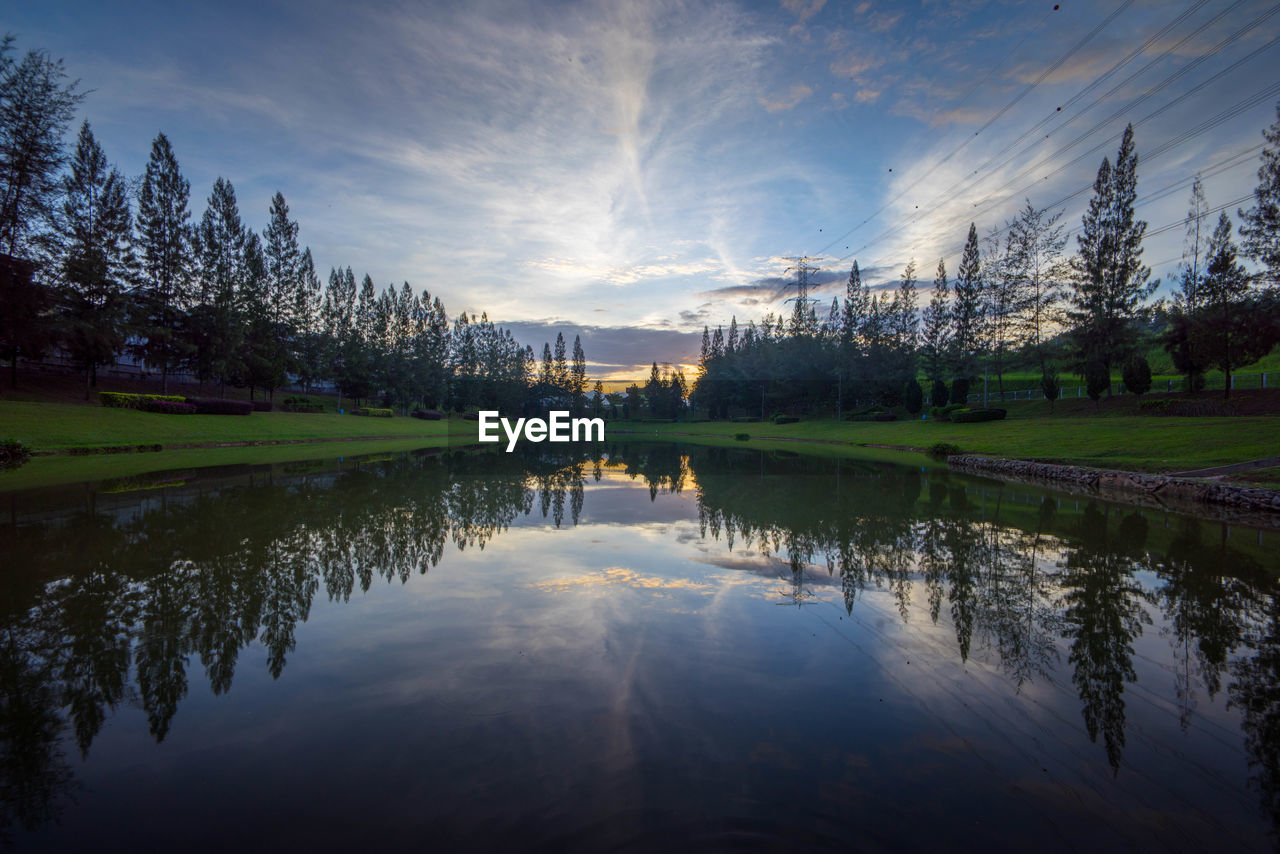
x=216 y=326
x=1260 y=224
x=284 y=276
x=36 y=106
x=94 y=259
x=1110 y=282
x=1038 y=268
x=1224 y=325
x=936 y=337
x=578 y=374
x=164 y=246
x=1180 y=339
x=966 y=311
x=310 y=344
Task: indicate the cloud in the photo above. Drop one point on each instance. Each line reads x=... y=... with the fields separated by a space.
x=624 y=351
x=798 y=93
x=866 y=96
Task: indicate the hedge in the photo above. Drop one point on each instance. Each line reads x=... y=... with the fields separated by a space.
x=168 y=407
x=427 y=414
x=220 y=406
x=971 y=416
x=785 y=419
x=261 y=405
x=943 y=413
x=120 y=400
x=374 y=413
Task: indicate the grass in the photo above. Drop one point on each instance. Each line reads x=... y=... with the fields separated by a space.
x=1122 y=441
x=58 y=470
x=44 y=426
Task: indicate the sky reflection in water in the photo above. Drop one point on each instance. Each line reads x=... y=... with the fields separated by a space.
x=721 y=646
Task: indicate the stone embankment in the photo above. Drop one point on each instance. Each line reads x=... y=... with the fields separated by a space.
x=1166 y=489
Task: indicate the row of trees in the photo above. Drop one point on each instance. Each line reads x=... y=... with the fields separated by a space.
x=99 y=266
x=1018 y=298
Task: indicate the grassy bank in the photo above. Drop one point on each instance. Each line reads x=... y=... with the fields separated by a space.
x=1133 y=442
x=45 y=426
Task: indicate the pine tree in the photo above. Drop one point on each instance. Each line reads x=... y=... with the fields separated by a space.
x=655 y=392
x=164 y=247
x=1109 y=281
x=1037 y=268
x=36 y=106
x=94 y=259
x=284 y=277
x=309 y=356
x=966 y=312
x=216 y=326
x=1179 y=338
x=1224 y=326
x=561 y=369
x=1260 y=224
x=578 y=374
x=937 y=325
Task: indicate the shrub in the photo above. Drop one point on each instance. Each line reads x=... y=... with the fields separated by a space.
x=938 y=395
x=427 y=414
x=742 y=437
x=261 y=405
x=943 y=413
x=874 y=416
x=220 y=406
x=785 y=419
x=960 y=390
x=13 y=453
x=375 y=413
x=293 y=404
x=1096 y=380
x=943 y=450
x=912 y=396
x=972 y=416
x=167 y=407
x=118 y=400
x=1137 y=375
x=1049 y=384
x=744 y=419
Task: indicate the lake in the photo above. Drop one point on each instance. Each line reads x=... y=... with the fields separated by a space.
x=626 y=647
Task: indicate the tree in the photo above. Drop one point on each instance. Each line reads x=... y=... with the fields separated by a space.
x=1179 y=337
x=1097 y=379
x=282 y=260
x=311 y=345
x=936 y=338
x=1036 y=268
x=966 y=313
x=1001 y=304
x=1223 y=323
x=912 y=396
x=94 y=259
x=1137 y=374
x=36 y=105
x=1109 y=281
x=215 y=327
x=164 y=242
x=1260 y=224
x=654 y=392
x=578 y=374
x=1049 y=384
x=938 y=393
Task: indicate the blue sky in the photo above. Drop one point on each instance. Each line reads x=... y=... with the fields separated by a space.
x=629 y=171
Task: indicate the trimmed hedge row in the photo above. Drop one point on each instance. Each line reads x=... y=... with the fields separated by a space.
x=120 y=400
x=301 y=404
x=427 y=414
x=168 y=407
x=373 y=413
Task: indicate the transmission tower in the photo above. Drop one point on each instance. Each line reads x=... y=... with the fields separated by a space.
x=800 y=315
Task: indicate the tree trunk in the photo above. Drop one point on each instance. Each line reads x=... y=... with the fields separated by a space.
x=164 y=378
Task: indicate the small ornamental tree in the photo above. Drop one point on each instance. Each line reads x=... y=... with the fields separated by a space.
x=938 y=394
x=1137 y=375
x=913 y=396
x=1049 y=384
x=1097 y=379
x=959 y=390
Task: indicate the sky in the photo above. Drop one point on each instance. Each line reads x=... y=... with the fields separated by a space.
x=630 y=171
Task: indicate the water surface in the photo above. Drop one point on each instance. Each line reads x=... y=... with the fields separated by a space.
x=620 y=647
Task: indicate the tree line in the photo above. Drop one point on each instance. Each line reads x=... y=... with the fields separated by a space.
x=97 y=265
x=1017 y=298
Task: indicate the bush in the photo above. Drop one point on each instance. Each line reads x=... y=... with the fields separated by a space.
x=973 y=416
x=374 y=413
x=1137 y=375
x=943 y=413
x=912 y=396
x=300 y=404
x=427 y=414
x=1049 y=384
x=261 y=405
x=960 y=390
x=13 y=453
x=875 y=416
x=1096 y=380
x=785 y=419
x=220 y=406
x=744 y=419
x=938 y=395
x=117 y=400
x=742 y=437
x=168 y=407
x=943 y=450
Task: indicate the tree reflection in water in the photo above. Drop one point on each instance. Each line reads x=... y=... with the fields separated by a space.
x=114 y=601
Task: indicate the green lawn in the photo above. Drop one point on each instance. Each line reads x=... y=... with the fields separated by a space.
x=52 y=426
x=1140 y=443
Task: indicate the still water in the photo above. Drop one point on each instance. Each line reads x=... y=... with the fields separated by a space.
x=627 y=648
